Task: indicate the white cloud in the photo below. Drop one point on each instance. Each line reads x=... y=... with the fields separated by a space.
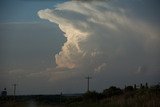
x=98 y=34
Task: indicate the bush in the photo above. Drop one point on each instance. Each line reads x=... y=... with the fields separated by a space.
x=129 y=88
x=92 y=96
x=112 y=91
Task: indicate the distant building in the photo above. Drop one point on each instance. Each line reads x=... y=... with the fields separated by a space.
x=4 y=92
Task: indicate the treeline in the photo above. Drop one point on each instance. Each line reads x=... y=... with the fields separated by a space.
x=128 y=91
x=130 y=96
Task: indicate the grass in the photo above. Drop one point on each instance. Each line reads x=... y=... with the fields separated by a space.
x=144 y=100
x=124 y=100
x=112 y=97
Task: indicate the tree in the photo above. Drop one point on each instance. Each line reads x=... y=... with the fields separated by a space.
x=112 y=91
x=129 y=88
x=92 y=96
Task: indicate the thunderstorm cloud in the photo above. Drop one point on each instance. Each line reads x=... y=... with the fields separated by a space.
x=101 y=36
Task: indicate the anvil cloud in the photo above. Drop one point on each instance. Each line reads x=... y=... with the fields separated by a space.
x=100 y=35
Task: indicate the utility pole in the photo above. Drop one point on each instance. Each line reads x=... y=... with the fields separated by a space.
x=60 y=97
x=14 y=90
x=88 y=78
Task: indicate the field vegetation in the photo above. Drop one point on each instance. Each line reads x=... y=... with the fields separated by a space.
x=130 y=96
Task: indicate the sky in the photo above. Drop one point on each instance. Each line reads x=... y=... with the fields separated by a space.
x=50 y=46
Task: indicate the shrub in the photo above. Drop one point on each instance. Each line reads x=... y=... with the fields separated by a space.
x=112 y=91
x=92 y=96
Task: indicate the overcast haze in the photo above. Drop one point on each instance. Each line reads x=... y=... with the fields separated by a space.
x=48 y=47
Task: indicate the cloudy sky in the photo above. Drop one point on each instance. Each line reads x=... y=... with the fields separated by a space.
x=50 y=46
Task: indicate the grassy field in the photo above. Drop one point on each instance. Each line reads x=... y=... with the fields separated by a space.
x=114 y=97
x=146 y=100
x=122 y=101
x=111 y=97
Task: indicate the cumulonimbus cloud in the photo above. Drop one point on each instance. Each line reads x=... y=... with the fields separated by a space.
x=98 y=34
